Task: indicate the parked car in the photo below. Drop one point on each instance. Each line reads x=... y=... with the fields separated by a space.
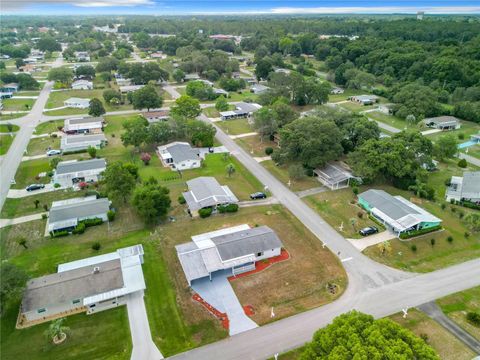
x=258 y=195
x=368 y=231
x=53 y=152
x=33 y=187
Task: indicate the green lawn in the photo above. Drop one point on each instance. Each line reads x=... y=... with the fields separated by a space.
x=28 y=171
x=244 y=95
x=281 y=173
x=48 y=127
x=17 y=104
x=29 y=93
x=347 y=93
x=392 y=120
x=12 y=116
x=255 y=145
x=456 y=306
x=473 y=151
x=235 y=127
x=5 y=142
x=356 y=108
x=4 y=128
x=468 y=128
x=39 y=146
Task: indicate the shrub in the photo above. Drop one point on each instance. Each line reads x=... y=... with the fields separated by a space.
x=461 y=136
x=111 y=215
x=181 y=200
x=230 y=208
x=82 y=185
x=448 y=182
x=92 y=222
x=450 y=239
x=56 y=234
x=204 y=213
x=44 y=216
x=50 y=173
x=53 y=135
x=443 y=206
x=79 y=229
x=470 y=205
x=145 y=157
x=413 y=247
x=424 y=337
x=462 y=163
x=432 y=241
x=56 y=185
x=268 y=151
x=360 y=214
x=355 y=190
x=466 y=234
x=474 y=318
x=414 y=233
x=96 y=246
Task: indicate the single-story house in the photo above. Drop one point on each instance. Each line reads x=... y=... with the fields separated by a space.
x=220 y=92
x=242 y=110
x=206 y=82
x=9 y=88
x=336 y=91
x=283 y=71
x=179 y=156
x=193 y=76
x=250 y=81
x=72 y=143
x=364 y=99
x=259 y=88
x=37 y=54
x=236 y=249
x=29 y=68
x=396 y=212
x=82 y=85
x=82 y=56
x=30 y=60
x=158 y=55
x=475 y=138
x=77 y=103
x=466 y=187
x=335 y=175
x=66 y=214
x=156 y=116
x=443 y=122
x=71 y=173
x=130 y=88
x=206 y=192
x=6 y=94
x=84 y=125
x=123 y=82
x=87 y=286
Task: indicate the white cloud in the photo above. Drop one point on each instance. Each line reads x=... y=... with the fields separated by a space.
x=22 y=4
x=378 y=10
x=108 y=3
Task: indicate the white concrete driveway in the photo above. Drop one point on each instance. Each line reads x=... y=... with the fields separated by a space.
x=220 y=295
x=362 y=244
x=20 y=220
x=143 y=346
x=20 y=193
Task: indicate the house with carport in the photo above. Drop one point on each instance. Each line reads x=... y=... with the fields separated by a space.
x=464 y=188
x=83 y=125
x=179 y=156
x=80 y=142
x=71 y=173
x=77 y=103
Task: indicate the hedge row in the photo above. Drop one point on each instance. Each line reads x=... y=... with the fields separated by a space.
x=376 y=221
x=414 y=233
x=55 y=234
x=230 y=208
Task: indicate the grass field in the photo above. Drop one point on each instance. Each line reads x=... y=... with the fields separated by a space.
x=456 y=306
x=336 y=208
x=5 y=142
x=356 y=108
x=281 y=173
x=255 y=145
x=445 y=344
x=17 y=104
x=38 y=146
x=473 y=151
x=468 y=128
x=235 y=127
x=394 y=121
x=4 y=117
x=345 y=95
x=48 y=127
x=4 y=128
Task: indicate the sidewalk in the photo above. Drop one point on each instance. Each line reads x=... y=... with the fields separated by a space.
x=243 y=135
x=20 y=220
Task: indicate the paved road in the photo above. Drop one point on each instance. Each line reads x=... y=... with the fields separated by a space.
x=172 y=91
x=434 y=311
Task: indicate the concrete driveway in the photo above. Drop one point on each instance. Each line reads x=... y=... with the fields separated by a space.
x=362 y=244
x=20 y=193
x=220 y=295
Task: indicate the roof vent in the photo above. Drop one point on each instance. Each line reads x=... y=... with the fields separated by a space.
x=96 y=269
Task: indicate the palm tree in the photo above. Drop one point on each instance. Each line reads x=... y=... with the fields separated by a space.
x=353 y=221
x=56 y=331
x=385 y=247
x=230 y=169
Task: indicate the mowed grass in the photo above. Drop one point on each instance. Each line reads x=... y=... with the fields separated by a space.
x=235 y=127
x=467 y=128
x=394 y=121
x=39 y=146
x=441 y=340
x=17 y=104
x=49 y=127
x=4 y=128
x=29 y=170
x=5 y=142
x=255 y=145
x=281 y=173
x=4 y=117
x=346 y=94
x=427 y=257
x=337 y=209
x=472 y=151
x=297 y=284
x=457 y=305
x=355 y=107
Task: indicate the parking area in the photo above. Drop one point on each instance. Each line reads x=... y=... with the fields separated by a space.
x=219 y=293
x=362 y=244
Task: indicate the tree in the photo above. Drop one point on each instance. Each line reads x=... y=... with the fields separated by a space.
x=283 y=113
x=36 y=202
x=13 y=282
x=385 y=247
x=473 y=221
x=96 y=108
x=85 y=70
x=221 y=104
x=186 y=107
x=54 y=162
x=263 y=68
x=446 y=147
x=264 y=121
x=159 y=133
x=136 y=133
x=145 y=157
x=230 y=168
x=92 y=151
x=151 y=201
x=178 y=75
x=146 y=97
x=356 y=335
x=296 y=172
x=417 y=100
x=56 y=331
x=110 y=94
x=119 y=181
x=200 y=133
x=61 y=74
x=48 y=43
x=19 y=63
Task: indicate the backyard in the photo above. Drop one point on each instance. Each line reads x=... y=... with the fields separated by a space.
x=255 y=145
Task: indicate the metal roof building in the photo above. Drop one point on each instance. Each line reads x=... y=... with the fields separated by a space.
x=179 y=156
x=84 y=124
x=466 y=187
x=71 y=143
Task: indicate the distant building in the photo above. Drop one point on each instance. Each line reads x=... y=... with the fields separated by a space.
x=73 y=143
x=87 y=286
x=9 y=88
x=220 y=92
x=335 y=175
x=205 y=192
x=364 y=99
x=71 y=173
x=193 y=76
x=158 y=55
x=121 y=82
x=179 y=156
x=420 y=15
x=77 y=103
x=130 y=88
x=337 y=91
x=156 y=116
x=82 y=85
x=242 y=110
x=466 y=187
x=259 y=89
x=443 y=122
x=82 y=56
x=84 y=125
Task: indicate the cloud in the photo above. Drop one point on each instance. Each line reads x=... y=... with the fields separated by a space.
x=22 y=4
x=377 y=10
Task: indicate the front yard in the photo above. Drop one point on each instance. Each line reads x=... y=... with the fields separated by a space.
x=281 y=173
x=235 y=127
x=17 y=104
x=5 y=142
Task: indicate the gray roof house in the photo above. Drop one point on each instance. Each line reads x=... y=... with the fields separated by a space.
x=206 y=192
x=259 y=88
x=66 y=214
x=466 y=187
x=242 y=110
x=179 y=156
x=235 y=249
x=335 y=175
x=443 y=122
x=364 y=99
x=92 y=125
x=87 y=286
x=396 y=212
x=71 y=173
x=72 y=143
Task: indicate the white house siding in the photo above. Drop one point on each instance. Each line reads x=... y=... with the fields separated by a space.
x=66 y=180
x=52 y=310
x=268 y=254
x=186 y=165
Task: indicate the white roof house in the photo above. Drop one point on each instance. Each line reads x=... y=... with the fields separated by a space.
x=243 y=109
x=123 y=82
x=83 y=125
x=334 y=175
x=179 y=156
x=70 y=173
x=88 y=285
x=205 y=191
x=236 y=248
x=71 y=143
x=259 y=88
x=466 y=187
x=82 y=56
x=82 y=85
x=337 y=90
x=443 y=122
x=130 y=88
x=77 y=103
x=365 y=99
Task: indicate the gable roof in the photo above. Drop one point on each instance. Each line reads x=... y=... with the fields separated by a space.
x=445 y=119
x=471 y=185
x=182 y=152
x=66 y=167
x=205 y=191
x=66 y=213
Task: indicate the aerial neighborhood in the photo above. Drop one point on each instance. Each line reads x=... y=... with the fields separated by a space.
x=276 y=184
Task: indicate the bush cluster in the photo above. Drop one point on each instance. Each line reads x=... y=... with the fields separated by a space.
x=204 y=213
x=414 y=233
x=230 y=208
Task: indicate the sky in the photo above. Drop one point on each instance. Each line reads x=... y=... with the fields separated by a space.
x=188 y=7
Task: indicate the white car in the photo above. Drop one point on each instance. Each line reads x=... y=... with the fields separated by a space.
x=53 y=152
